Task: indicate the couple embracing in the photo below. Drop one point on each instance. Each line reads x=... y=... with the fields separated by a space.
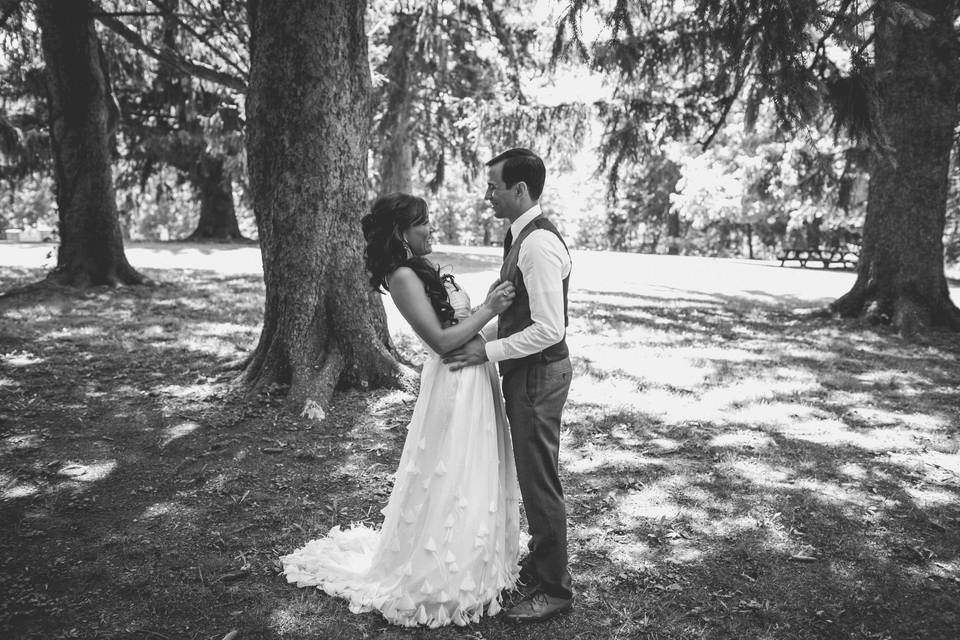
x=449 y=545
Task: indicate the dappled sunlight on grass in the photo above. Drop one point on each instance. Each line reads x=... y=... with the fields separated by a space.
x=591 y=458
x=652 y=503
x=12 y=488
x=742 y=438
x=179 y=430
x=758 y=472
x=833 y=431
x=776 y=383
x=20 y=441
x=886 y=417
x=848 y=497
x=927 y=498
x=89 y=472
x=652 y=367
x=184 y=391
x=165 y=510
x=615 y=391
x=19 y=359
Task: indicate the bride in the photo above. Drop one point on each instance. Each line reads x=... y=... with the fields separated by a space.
x=449 y=543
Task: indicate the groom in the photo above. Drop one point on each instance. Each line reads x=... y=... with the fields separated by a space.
x=531 y=350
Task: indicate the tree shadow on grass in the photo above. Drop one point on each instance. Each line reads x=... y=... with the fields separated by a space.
x=808 y=477
x=727 y=530
x=140 y=494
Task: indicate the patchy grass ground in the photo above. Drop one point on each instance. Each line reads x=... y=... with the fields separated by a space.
x=732 y=471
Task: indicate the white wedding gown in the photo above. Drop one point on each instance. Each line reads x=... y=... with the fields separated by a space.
x=449 y=543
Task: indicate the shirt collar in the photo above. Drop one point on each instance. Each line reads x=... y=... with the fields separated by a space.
x=525 y=218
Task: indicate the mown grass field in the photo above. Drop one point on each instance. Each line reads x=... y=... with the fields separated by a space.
x=733 y=469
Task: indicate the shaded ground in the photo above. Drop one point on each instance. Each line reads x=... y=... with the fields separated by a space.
x=731 y=470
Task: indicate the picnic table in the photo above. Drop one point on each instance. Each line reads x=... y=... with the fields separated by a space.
x=845 y=256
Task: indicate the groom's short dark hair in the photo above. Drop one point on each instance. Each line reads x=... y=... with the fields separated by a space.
x=522 y=165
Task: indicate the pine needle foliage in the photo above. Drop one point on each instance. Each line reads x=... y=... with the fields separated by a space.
x=681 y=68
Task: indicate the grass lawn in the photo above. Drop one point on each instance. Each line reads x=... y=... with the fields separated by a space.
x=732 y=470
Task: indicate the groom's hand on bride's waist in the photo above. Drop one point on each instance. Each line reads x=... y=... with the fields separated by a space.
x=470 y=354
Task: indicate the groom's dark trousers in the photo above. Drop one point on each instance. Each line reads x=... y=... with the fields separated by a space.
x=534 y=395
x=534 y=389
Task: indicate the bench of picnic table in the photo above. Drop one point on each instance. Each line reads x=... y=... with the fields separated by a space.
x=845 y=257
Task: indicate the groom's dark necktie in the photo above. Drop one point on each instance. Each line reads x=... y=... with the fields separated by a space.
x=507 y=241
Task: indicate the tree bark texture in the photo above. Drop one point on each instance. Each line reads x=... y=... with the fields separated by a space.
x=308 y=124
x=91 y=244
x=396 y=160
x=901 y=269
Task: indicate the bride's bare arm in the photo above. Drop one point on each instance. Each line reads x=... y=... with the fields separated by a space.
x=407 y=292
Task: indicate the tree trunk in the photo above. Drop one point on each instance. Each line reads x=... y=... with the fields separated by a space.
x=901 y=277
x=91 y=244
x=396 y=161
x=218 y=217
x=811 y=232
x=308 y=134
x=673 y=233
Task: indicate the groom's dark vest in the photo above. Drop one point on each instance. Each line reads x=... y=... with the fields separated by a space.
x=517 y=317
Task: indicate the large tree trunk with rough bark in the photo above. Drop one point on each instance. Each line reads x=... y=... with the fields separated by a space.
x=79 y=98
x=901 y=270
x=308 y=128
x=396 y=160
x=218 y=216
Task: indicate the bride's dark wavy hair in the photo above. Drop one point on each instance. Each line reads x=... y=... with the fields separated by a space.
x=383 y=228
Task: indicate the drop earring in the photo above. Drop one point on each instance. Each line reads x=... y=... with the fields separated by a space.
x=406 y=247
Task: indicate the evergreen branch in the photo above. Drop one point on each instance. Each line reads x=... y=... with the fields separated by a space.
x=171 y=58
x=741 y=78
x=820 y=48
x=204 y=41
x=9 y=8
x=507 y=44
x=866 y=43
x=560 y=45
x=232 y=26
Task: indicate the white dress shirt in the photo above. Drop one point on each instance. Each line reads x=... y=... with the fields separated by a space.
x=544 y=263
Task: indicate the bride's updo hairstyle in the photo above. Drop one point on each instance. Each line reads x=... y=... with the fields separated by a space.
x=383 y=228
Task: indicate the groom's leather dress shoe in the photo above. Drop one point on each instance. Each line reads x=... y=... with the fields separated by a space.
x=538 y=607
